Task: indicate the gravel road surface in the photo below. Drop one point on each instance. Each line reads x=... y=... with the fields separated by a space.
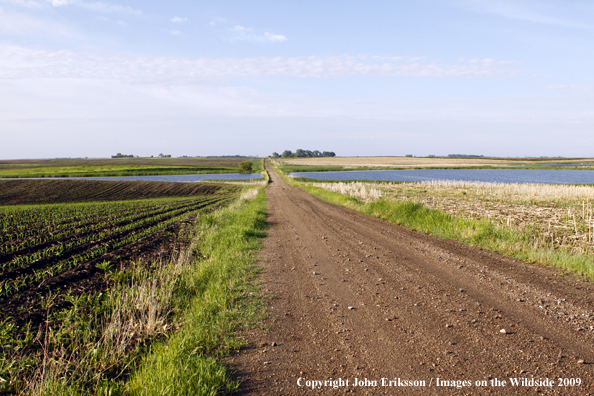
x=361 y=300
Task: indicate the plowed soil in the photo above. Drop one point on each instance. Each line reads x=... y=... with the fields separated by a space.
x=21 y=192
x=360 y=299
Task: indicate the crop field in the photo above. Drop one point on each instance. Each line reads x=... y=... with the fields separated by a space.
x=42 y=242
x=120 y=167
x=58 y=252
x=49 y=247
x=13 y=192
x=348 y=163
x=196 y=161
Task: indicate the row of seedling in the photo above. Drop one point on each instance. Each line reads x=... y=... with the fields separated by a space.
x=88 y=226
x=22 y=222
x=90 y=237
x=106 y=241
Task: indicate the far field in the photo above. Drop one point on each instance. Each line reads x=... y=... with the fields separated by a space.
x=122 y=166
x=350 y=163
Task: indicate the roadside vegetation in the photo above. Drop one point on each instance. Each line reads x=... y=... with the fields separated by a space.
x=216 y=298
x=288 y=169
x=544 y=224
x=95 y=297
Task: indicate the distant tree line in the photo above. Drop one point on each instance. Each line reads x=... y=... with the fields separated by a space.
x=303 y=154
x=120 y=155
x=465 y=156
x=229 y=156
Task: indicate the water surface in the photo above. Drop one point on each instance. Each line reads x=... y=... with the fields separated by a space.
x=544 y=176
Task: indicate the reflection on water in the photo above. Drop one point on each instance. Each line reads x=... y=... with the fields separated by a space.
x=545 y=176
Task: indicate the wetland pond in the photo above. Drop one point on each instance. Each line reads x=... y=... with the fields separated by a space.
x=537 y=176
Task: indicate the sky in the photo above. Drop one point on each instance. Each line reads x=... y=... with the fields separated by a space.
x=85 y=78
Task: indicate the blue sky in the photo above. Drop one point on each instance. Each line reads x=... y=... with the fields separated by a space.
x=91 y=78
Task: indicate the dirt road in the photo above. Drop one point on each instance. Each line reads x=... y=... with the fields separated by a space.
x=359 y=299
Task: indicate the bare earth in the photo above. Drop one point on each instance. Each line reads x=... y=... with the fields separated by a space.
x=359 y=298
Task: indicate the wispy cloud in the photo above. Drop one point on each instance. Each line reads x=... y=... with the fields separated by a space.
x=571 y=88
x=178 y=19
x=21 y=62
x=239 y=32
x=18 y=24
x=98 y=6
x=525 y=10
x=217 y=21
x=23 y=3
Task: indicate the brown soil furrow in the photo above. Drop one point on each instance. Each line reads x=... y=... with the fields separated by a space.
x=30 y=191
x=92 y=228
x=357 y=297
x=108 y=239
x=26 y=306
x=84 y=278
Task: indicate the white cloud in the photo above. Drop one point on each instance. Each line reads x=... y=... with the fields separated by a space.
x=23 y=3
x=525 y=10
x=175 y=32
x=21 y=62
x=239 y=32
x=274 y=37
x=217 y=21
x=178 y=19
x=109 y=8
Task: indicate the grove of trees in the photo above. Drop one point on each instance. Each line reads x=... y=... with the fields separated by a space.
x=300 y=153
x=246 y=166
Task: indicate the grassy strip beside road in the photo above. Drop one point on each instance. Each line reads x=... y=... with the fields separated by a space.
x=288 y=169
x=522 y=244
x=215 y=301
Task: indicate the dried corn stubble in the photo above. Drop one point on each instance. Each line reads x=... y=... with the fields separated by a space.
x=558 y=216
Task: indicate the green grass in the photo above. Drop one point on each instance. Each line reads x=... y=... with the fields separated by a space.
x=310 y=168
x=213 y=302
x=483 y=233
x=111 y=170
